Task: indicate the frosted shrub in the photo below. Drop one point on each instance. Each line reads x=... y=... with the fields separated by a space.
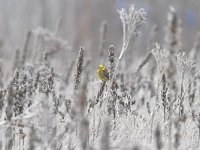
x=161 y=56
x=184 y=63
x=131 y=21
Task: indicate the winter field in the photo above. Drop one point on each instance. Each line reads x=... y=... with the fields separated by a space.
x=52 y=99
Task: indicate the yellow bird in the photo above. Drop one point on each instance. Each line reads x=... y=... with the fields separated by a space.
x=102 y=73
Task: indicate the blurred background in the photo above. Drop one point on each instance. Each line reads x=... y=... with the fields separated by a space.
x=79 y=22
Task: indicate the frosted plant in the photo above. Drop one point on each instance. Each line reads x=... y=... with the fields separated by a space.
x=153 y=36
x=173 y=31
x=25 y=49
x=184 y=63
x=1 y=73
x=131 y=21
x=2 y=101
x=45 y=40
x=103 y=33
x=196 y=47
x=79 y=68
x=51 y=39
x=161 y=56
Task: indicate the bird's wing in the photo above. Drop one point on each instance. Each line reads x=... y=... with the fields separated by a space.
x=106 y=74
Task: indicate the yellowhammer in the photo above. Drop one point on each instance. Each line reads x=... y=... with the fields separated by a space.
x=102 y=73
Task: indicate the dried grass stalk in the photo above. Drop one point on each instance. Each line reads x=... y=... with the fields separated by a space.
x=79 y=68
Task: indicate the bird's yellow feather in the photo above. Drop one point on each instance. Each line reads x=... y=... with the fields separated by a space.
x=102 y=73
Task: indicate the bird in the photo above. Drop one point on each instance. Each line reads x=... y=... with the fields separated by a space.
x=102 y=73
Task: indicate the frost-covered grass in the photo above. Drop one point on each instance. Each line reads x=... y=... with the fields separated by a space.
x=154 y=104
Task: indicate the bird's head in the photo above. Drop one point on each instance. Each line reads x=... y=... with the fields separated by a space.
x=101 y=67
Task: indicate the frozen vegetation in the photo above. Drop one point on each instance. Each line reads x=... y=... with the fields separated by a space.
x=51 y=99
